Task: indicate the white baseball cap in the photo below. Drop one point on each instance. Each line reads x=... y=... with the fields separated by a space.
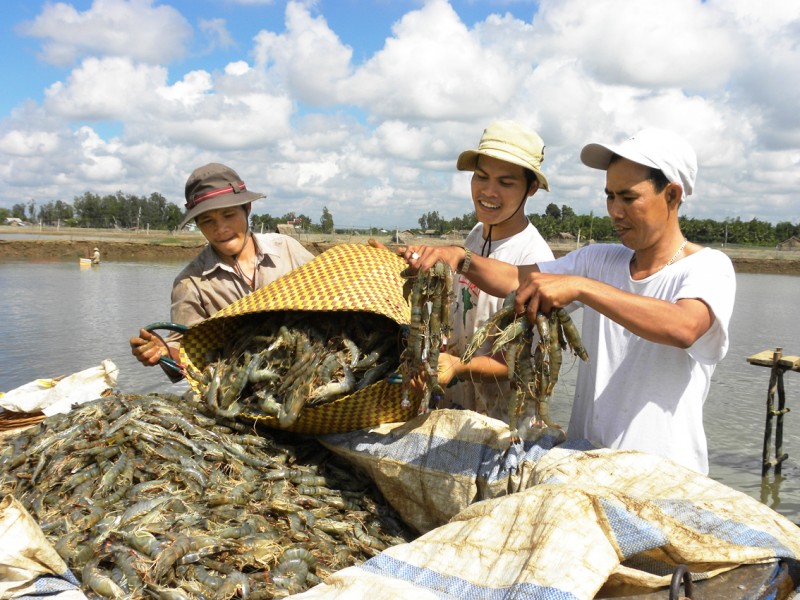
x=651 y=147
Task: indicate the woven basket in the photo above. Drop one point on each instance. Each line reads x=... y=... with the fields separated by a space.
x=347 y=277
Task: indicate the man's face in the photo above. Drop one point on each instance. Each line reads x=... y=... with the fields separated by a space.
x=224 y=228
x=640 y=215
x=498 y=188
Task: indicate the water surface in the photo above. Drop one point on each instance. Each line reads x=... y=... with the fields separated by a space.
x=59 y=318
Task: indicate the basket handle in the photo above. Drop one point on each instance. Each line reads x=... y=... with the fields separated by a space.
x=168 y=361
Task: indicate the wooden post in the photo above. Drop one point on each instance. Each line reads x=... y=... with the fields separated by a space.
x=775 y=375
x=782 y=410
x=778 y=365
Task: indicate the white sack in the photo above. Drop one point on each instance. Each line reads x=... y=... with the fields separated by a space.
x=53 y=396
x=582 y=519
x=435 y=465
x=29 y=565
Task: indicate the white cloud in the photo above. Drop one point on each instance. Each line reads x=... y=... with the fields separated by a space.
x=217 y=33
x=641 y=43
x=29 y=143
x=431 y=68
x=105 y=89
x=308 y=59
x=312 y=122
x=189 y=91
x=132 y=28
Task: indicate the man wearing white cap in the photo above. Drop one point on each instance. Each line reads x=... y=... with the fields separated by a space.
x=234 y=263
x=506 y=171
x=657 y=307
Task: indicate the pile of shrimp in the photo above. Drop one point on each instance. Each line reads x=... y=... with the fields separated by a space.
x=284 y=362
x=533 y=375
x=156 y=496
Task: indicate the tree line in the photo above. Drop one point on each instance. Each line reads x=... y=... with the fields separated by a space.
x=115 y=211
x=557 y=221
x=127 y=211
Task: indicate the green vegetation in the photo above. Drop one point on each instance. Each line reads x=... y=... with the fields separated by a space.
x=126 y=211
x=118 y=211
x=555 y=222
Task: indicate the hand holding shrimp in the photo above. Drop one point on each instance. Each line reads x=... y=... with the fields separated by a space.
x=543 y=292
x=422 y=258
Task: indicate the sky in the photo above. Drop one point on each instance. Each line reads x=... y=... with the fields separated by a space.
x=362 y=106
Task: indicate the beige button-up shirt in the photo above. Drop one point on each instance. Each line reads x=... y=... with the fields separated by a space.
x=207 y=284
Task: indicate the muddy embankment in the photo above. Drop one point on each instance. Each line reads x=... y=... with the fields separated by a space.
x=745 y=260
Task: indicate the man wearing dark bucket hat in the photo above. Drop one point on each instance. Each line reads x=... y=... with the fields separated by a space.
x=656 y=307
x=506 y=171
x=234 y=263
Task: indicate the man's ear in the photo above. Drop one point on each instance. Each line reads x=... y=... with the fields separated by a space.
x=674 y=194
x=533 y=188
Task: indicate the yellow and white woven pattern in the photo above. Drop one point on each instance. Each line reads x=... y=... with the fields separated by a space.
x=348 y=277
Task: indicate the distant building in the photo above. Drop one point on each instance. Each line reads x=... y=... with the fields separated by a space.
x=793 y=243
x=15 y=222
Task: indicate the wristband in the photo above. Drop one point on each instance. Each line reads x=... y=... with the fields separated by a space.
x=467 y=260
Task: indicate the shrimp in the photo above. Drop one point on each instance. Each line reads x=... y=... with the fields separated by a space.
x=100 y=583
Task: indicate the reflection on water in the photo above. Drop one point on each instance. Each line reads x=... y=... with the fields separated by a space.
x=59 y=318
x=735 y=412
x=771 y=490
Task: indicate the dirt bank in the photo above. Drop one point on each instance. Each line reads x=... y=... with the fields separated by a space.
x=183 y=249
x=71 y=250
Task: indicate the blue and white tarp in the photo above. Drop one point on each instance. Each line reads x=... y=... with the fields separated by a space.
x=542 y=519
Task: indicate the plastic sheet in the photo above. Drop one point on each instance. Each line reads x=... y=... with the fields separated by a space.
x=59 y=395
x=543 y=521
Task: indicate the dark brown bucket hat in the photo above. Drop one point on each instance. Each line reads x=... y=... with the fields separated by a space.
x=214 y=186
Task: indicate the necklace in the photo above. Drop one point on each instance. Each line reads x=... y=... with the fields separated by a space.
x=670 y=261
x=674 y=256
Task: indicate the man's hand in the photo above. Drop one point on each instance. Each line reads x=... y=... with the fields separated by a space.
x=542 y=292
x=148 y=348
x=448 y=368
x=376 y=244
x=422 y=258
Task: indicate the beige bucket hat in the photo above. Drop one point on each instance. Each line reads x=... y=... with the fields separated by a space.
x=511 y=142
x=214 y=186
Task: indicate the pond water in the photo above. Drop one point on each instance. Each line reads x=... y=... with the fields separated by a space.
x=60 y=318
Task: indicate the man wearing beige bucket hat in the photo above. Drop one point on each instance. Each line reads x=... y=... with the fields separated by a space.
x=234 y=263
x=506 y=171
x=656 y=307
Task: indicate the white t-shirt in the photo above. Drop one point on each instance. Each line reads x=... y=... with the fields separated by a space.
x=473 y=307
x=641 y=395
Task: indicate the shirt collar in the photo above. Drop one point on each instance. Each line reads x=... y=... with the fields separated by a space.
x=264 y=245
